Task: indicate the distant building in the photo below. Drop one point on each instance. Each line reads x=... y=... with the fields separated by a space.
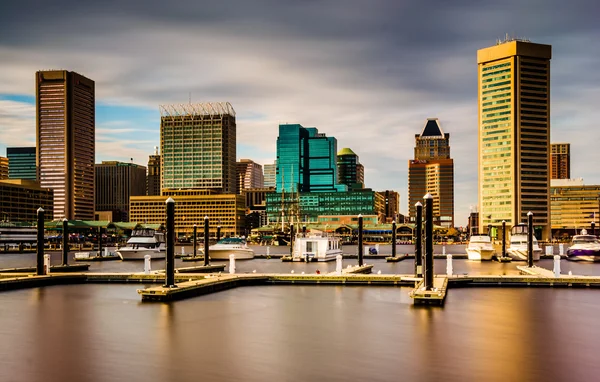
x=514 y=134
x=249 y=175
x=270 y=175
x=306 y=160
x=65 y=116
x=432 y=172
x=153 y=175
x=197 y=145
x=3 y=168
x=573 y=206
x=21 y=199
x=21 y=163
x=561 y=161
x=391 y=210
x=473 y=224
x=256 y=205
x=350 y=171
x=116 y=182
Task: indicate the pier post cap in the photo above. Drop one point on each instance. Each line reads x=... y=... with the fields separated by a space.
x=40 y=210
x=428 y=196
x=170 y=200
x=360 y=215
x=206 y=218
x=529 y=213
x=503 y=221
x=393 y=221
x=418 y=204
x=219 y=226
x=65 y=220
x=195 y=225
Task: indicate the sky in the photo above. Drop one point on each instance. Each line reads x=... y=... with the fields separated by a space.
x=368 y=72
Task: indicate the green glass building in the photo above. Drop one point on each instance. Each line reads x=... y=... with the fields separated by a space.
x=350 y=171
x=21 y=163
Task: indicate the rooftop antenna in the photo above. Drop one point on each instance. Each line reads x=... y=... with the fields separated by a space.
x=155 y=150
x=190 y=98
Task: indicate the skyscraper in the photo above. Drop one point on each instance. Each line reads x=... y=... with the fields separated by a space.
x=116 y=182
x=561 y=161
x=198 y=147
x=350 y=171
x=65 y=112
x=21 y=163
x=270 y=174
x=153 y=177
x=249 y=175
x=306 y=160
x=432 y=172
x=514 y=134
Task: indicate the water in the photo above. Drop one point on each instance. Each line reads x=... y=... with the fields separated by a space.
x=298 y=333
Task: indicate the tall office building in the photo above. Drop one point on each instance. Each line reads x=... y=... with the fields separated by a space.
x=197 y=144
x=249 y=174
x=116 y=182
x=391 y=209
x=3 y=168
x=514 y=134
x=21 y=163
x=561 y=161
x=153 y=176
x=306 y=160
x=270 y=174
x=350 y=171
x=65 y=119
x=432 y=172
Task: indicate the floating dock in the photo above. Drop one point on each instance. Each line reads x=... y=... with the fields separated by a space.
x=433 y=296
x=53 y=268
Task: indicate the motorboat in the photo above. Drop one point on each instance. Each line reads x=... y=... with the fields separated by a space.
x=230 y=246
x=584 y=247
x=480 y=247
x=518 y=244
x=143 y=242
x=316 y=247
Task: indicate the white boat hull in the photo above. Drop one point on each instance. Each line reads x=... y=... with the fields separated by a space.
x=520 y=254
x=223 y=254
x=139 y=254
x=329 y=256
x=479 y=254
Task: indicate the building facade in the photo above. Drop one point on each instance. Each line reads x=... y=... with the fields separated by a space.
x=116 y=182
x=391 y=209
x=350 y=171
x=198 y=147
x=561 y=161
x=432 y=172
x=574 y=206
x=153 y=175
x=21 y=163
x=306 y=160
x=270 y=175
x=249 y=175
x=514 y=134
x=191 y=206
x=21 y=199
x=65 y=120
x=3 y=168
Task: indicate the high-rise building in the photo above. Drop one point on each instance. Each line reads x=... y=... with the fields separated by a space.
x=432 y=172
x=270 y=175
x=350 y=171
x=306 y=160
x=65 y=112
x=21 y=198
x=116 y=182
x=391 y=209
x=574 y=206
x=514 y=134
x=21 y=163
x=3 y=168
x=561 y=161
x=249 y=175
x=197 y=145
x=153 y=177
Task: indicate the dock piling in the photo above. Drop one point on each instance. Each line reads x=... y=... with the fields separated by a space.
x=99 y=241
x=147 y=266
x=46 y=264
x=530 y=239
x=206 y=241
x=65 y=242
x=428 y=273
x=40 y=242
x=170 y=255
x=503 y=238
x=449 y=269
x=556 y=266
x=419 y=240
x=360 y=240
x=218 y=232
x=338 y=264
x=393 y=238
x=292 y=239
x=593 y=228
x=268 y=250
x=194 y=240
x=232 y=264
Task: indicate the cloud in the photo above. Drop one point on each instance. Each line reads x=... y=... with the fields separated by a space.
x=17 y=123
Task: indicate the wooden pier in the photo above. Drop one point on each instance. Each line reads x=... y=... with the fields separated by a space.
x=434 y=296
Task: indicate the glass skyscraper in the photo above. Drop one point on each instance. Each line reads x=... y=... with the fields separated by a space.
x=350 y=171
x=21 y=163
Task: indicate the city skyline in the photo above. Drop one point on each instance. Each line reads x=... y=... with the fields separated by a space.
x=370 y=89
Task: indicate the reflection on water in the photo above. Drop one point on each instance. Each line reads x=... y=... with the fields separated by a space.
x=297 y=333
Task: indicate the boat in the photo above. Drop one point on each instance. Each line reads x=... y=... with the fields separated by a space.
x=584 y=247
x=230 y=246
x=143 y=242
x=316 y=247
x=480 y=248
x=518 y=244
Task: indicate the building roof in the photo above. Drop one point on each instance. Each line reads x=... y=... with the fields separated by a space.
x=432 y=128
x=346 y=151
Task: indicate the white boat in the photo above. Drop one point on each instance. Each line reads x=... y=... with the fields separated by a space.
x=143 y=242
x=480 y=248
x=230 y=246
x=584 y=247
x=518 y=244
x=316 y=247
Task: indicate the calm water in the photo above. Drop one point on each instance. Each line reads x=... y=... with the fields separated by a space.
x=299 y=333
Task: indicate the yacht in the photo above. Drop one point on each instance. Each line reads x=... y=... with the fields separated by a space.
x=316 y=247
x=143 y=242
x=480 y=248
x=230 y=246
x=518 y=244
x=584 y=247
